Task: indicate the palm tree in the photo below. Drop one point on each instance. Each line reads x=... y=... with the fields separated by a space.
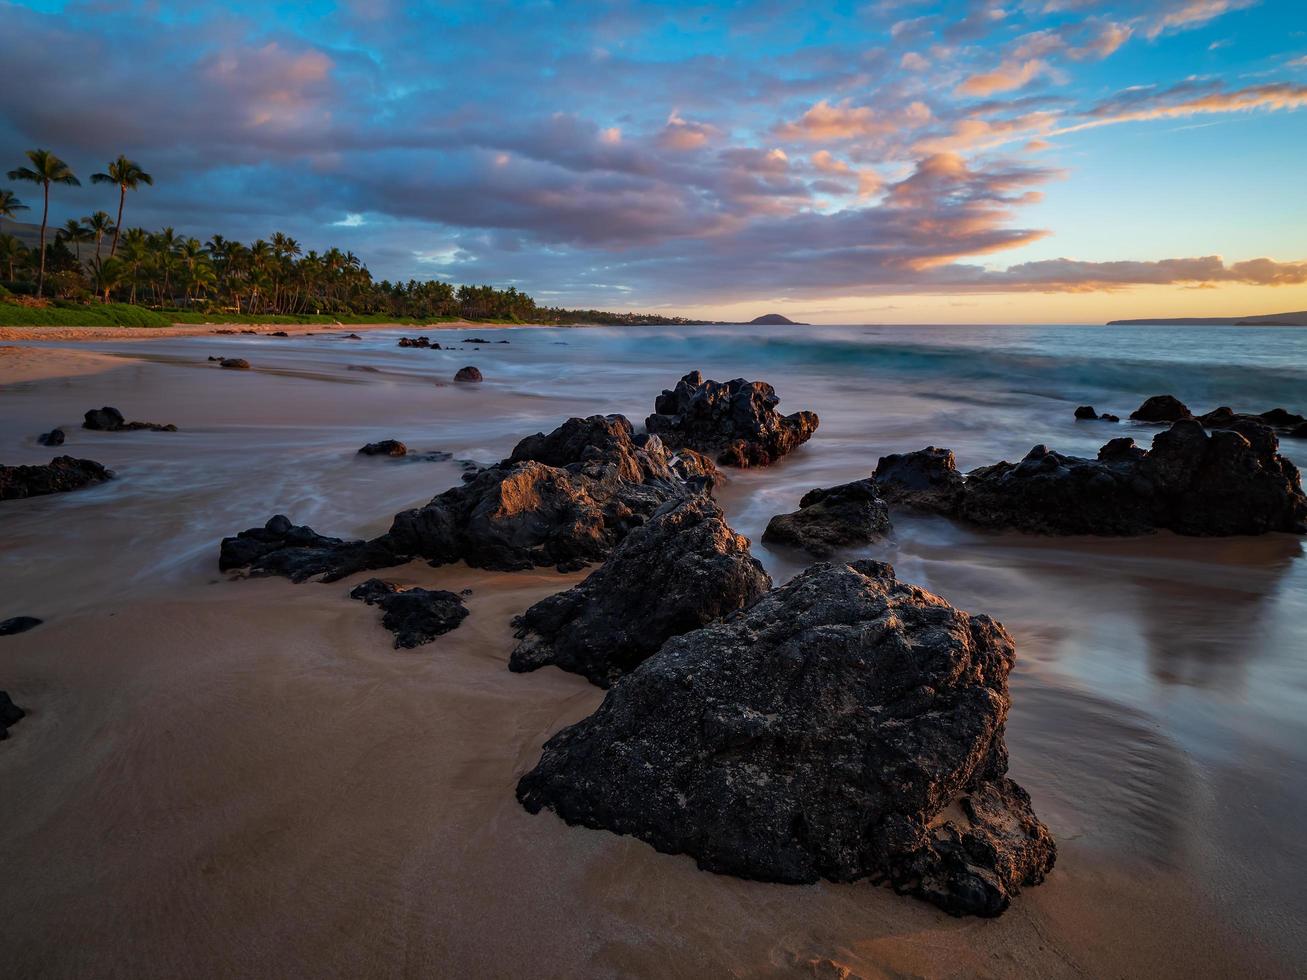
x=11 y=251
x=46 y=169
x=128 y=175
x=108 y=274
x=100 y=224
x=136 y=251
x=10 y=205
x=74 y=231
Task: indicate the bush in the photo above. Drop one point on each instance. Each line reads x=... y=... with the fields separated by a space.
x=73 y=315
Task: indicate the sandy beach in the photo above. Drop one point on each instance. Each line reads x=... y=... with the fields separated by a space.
x=242 y=778
x=212 y=329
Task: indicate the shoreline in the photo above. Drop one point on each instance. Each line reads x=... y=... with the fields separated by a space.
x=222 y=329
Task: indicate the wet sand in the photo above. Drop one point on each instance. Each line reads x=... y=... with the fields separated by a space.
x=235 y=778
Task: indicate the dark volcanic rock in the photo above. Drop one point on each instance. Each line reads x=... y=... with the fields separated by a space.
x=299 y=553
x=845 y=726
x=9 y=713
x=680 y=571
x=109 y=419
x=18 y=624
x=1086 y=413
x=235 y=363
x=927 y=479
x=61 y=474
x=1231 y=481
x=424 y=342
x=844 y=516
x=1109 y=417
x=1299 y=432
x=416 y=616
x=386 y=447
x=476 y=340
x=279 y=333
x=55 y=437
x=467 y=374
x=351 y=336
x=736 y=422
x=1161 y=408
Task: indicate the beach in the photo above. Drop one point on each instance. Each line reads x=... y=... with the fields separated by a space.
x=233 y=777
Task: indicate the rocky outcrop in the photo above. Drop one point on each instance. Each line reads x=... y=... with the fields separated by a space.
x=1282 y=421
x=845 y=726
x=845 y=516
x=418 y=342
x=18 y=624
x=681 y=570
x=927 y=479
x=109 y=419
x=1298 y=432
x=386 y=447
x=736 y=422
x=55 y=437
x=61 y=474
x=1229 y=481
x=9 y=713
x=467 y=374
x=299 y=553
x=1161 y=408
x=1086 y=413
x=416 y=616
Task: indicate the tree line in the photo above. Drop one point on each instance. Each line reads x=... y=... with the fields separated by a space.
x=96 y=256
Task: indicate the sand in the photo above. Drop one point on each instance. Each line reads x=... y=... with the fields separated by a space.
x=243 y=778
x=20 y=364
x=210 y=329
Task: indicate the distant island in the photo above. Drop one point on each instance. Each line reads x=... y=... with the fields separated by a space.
x=775 y=319
x=1298 y=319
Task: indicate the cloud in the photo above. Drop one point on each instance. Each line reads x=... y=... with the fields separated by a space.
x=1184 y=100
x=1069 y=275
x=825 y=122
x=681 y=134
x=1188 y=14
x=1006 y=77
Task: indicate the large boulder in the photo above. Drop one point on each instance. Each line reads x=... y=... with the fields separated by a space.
x=298 y=552
x=681 y=570
x=9 y=713
x=416 y=616
x=109 y=419
x=1229 y=481
x=845 y=516
x=845 y=726
x=468 y=373
x=927 y=479
x=735 y=421
x=61 y=474
x=1161 y=408
x=386 y=447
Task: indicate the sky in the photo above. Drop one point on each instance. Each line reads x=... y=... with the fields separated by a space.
x=885 y=161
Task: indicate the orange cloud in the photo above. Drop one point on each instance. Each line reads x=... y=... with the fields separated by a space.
x=1194 y=13
x=1006 y=77
x=824 y=121
x=682 y=134
x=1272 y=97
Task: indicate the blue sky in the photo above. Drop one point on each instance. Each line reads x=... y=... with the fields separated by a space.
x=1029 y=159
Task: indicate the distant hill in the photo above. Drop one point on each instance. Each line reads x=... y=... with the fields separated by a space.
x=775 y=319
x=1298 y=319
x=28 y=234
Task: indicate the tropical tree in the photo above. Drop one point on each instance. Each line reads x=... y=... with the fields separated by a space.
x=76 y=232
x=100 y=224
x=128 y=175
x=136 y=252
x=108 y=274
x=10 y=205
x=11 y=252
x=45 y=169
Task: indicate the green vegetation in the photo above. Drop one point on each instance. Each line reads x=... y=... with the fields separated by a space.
x=80 y=315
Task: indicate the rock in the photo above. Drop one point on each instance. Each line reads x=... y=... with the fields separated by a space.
x=1161 y=408
x=299 y=553
x=55 y=437
x=424 y=342
x=474 y=340
x=1299 y=432
x=467 y=374
x=279 y=333
x=386 y=447
x=9 y=713
x=235 y=363
x=416 y=616
x=61 y=474
x=735 y=422
x=109 y=419
x=351 y=336
x=1086 y=413
x=1232 y=481
x=845 y=726
x=842 y=517
x=18 y=624
x=927 y=479
x=1227 y=418
x=1108 y=417
x=681 y=570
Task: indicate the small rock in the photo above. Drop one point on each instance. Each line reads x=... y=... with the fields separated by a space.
x=61 y=474
x=279 y=333
x=9 y=713
x=842 y=517
x=235 y=363
x=1086 y=413
x=468 y=374
x=351 y=336
x=387 y=447
x=109 y=419
x=18 y=624
x=55 y=437
x=1161 y=408
x=416 y=616
x=1299 y=432
x=474 y=340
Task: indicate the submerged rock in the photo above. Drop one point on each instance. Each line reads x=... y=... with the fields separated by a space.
x=1161 y=408
x=467 y=374
x=386 y=447
x=61 y=474
x=424 y=342
x=680 y=571
x=1231 y=481
x=927 y=479
x=736 y=421
x=416 y=616
x=55 y=437
x=235 y=363
x=109 y=419
x=478 y=340
x=9 y=713
x=845 y=726
x=842 y=517
x=18 y=624
x=299 y=553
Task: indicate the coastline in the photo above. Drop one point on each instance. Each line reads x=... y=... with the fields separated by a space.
x=225 y=329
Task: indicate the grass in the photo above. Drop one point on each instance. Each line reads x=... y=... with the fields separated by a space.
x=62 y=314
